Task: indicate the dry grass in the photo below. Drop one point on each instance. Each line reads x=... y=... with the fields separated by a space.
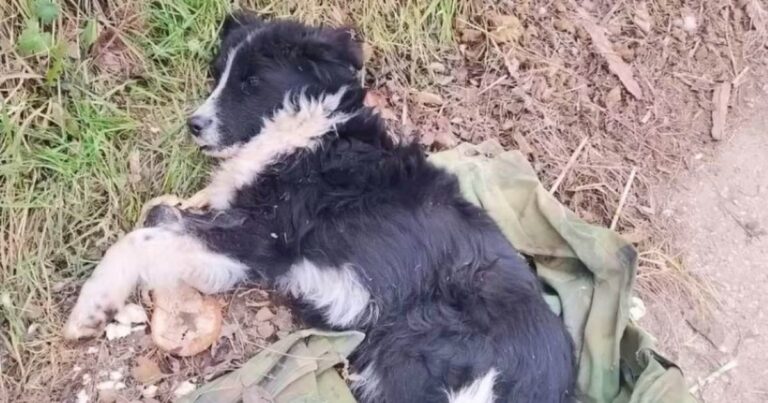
x=91 y=126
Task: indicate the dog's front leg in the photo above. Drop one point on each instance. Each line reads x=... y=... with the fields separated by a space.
x=162 y=256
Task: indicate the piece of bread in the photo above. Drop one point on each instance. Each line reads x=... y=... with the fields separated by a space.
x=185 y=322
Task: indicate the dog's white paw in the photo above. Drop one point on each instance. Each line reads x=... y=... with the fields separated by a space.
x=91 y=314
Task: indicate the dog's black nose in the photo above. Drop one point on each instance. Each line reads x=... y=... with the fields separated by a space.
x=197 y=124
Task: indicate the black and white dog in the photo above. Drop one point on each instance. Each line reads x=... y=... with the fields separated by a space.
x=314 y=199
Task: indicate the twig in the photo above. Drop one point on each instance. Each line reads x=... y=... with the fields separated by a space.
x=728 y=42
x=737 y=81
x=623 y=198
x=568 y=166
x=713 y=376
x=493 y=84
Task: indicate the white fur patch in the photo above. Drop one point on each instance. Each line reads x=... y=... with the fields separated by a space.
x=160 y=257
x=366 y=383
x=298 y=125
x=336 y=292
x=479 y=391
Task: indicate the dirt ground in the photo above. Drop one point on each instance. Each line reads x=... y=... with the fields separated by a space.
x=721 y=227
x=604 y=98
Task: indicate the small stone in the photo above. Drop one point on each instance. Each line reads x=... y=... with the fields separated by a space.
x=130 y=314
x=265 y=330
x=184 y=388
x=107 y=396
x=264 y=314
x=117 y=331
x=82 y=397
x=690 y=24
x=149 y=392
x=106 y=385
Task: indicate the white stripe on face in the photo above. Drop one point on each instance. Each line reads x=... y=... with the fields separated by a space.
x=211 y=136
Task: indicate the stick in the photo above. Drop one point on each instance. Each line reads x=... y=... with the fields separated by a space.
x=623 y=199
x=713 y=376
x=493 y=84
x=568 y=166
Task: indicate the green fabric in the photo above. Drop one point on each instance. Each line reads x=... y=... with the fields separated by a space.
x=590 y=270
x=296 y=369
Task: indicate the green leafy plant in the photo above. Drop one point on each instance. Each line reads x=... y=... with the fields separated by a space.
x=32 y=40
x=46 y=10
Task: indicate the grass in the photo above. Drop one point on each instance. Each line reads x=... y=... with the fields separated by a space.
x=92 y=104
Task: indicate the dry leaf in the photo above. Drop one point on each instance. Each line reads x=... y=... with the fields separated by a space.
x=522 y=144
x=436 y=67
x=720 y=98
x=427 y=98
x=604 y=47
x=146 y=371
x=565 y=25
x=469 y=35
x=613 y=98
x=506 y=28
x=642 y=19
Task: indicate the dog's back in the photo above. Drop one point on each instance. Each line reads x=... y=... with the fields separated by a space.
x=454 y=311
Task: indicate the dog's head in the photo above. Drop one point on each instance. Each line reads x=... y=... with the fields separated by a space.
x=259 y=65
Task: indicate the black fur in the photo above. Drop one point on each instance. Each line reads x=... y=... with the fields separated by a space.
x=454 y=298
x=279 y=57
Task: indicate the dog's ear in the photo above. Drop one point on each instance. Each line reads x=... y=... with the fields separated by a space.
x=345 y=45
x=239 y=19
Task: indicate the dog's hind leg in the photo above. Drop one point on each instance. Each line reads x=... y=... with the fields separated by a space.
x=158 y=256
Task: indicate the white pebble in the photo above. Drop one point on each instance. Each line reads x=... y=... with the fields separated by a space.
x=106 y=385
x=637 y=309
x=92 y=350
x=689 y=23
x=83 y=397
x=149 y=392
x=117 y=331
x=185 y=388
x=115 y=376
x=131 y=314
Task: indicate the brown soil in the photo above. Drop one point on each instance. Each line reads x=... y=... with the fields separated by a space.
x=722 y=228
